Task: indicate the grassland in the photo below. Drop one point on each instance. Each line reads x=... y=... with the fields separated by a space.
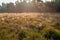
x=30 y=26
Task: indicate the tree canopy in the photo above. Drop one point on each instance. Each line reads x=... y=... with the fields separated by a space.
x=31 y=6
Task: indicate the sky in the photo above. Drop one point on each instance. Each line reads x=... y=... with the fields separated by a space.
x=7 y=1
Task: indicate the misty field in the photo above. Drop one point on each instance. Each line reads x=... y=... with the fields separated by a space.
x=29 y=26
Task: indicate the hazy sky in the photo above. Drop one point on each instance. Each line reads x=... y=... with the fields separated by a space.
x=7 y=1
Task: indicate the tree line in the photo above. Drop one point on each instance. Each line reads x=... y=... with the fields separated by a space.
x=18 y=7
x=55 y=4
x=28 y=7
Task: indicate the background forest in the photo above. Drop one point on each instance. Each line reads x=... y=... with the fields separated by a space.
x=39 y=6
